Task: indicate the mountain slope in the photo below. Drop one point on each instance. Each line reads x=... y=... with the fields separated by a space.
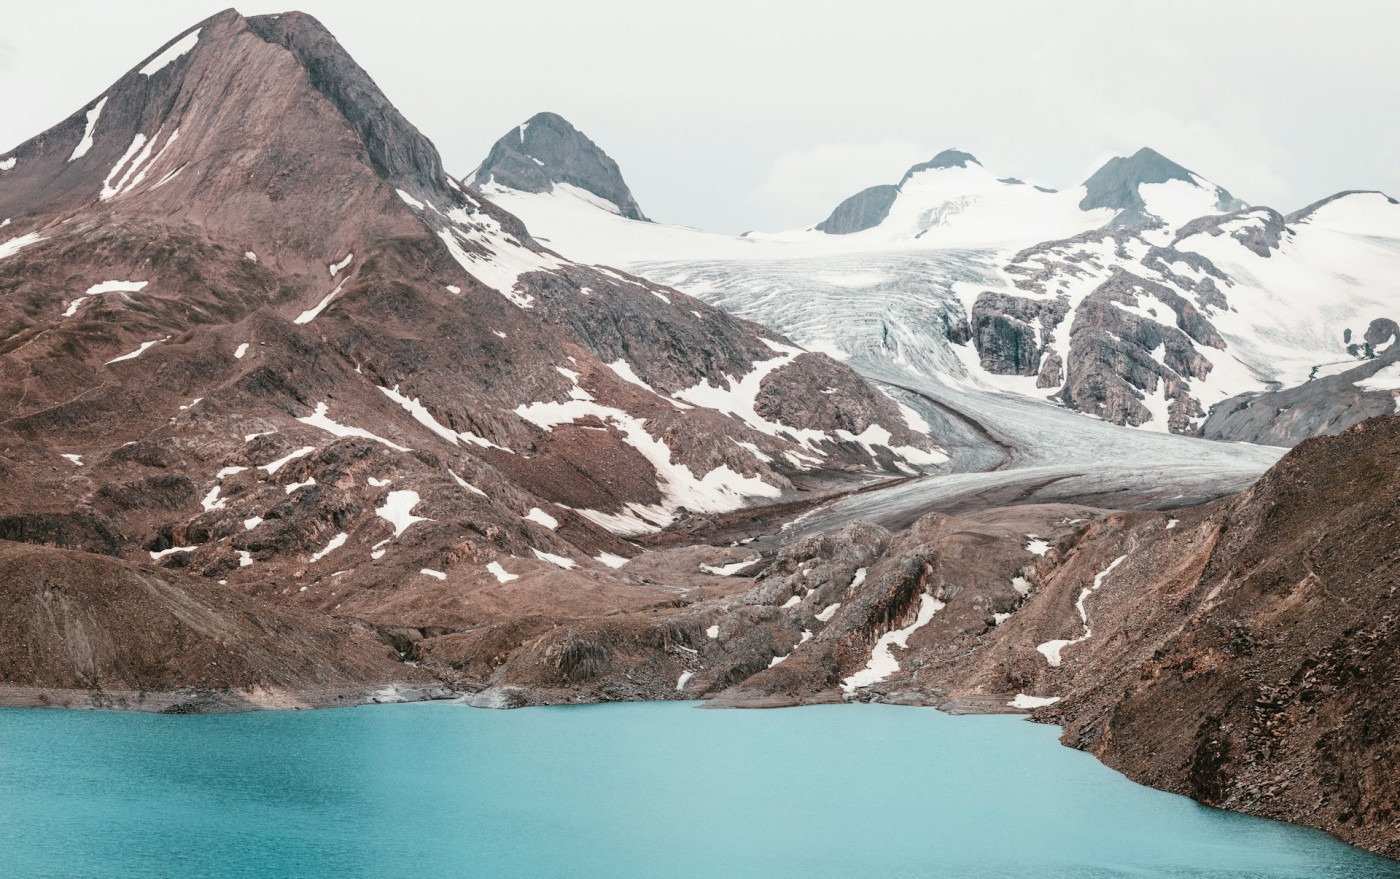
x=251 y=329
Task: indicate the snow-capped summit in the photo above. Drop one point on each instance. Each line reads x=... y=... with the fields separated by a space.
x=545 y=153
x=954 y=200
x=1147 y=187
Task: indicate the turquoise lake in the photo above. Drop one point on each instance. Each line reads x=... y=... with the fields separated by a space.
x=640 y=790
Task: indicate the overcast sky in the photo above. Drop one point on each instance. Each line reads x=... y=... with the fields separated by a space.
x=763 y=115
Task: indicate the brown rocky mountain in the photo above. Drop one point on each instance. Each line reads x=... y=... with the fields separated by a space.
x=249 y=328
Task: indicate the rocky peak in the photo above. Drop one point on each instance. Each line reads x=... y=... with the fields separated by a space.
x=547 y=150
x=869 y=207
x=1117 y=186
x=945 y=159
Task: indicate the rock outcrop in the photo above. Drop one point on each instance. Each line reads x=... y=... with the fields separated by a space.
x=1118 y=186
x=545 y=151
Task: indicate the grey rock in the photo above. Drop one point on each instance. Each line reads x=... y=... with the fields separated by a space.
x=1321 y=407
x=1115 y=186
x=546 y=150
x=864 y=210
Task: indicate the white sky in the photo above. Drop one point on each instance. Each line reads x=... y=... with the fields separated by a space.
x=736 y=115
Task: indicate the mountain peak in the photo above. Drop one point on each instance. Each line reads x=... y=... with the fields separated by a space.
x=546 y=150
x=946 y=159
x=1117 y=184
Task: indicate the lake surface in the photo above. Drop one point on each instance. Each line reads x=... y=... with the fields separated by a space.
x=640 y=790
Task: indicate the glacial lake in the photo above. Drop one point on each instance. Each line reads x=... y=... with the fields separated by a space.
x=640 y=790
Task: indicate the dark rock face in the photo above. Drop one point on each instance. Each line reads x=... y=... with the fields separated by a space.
x=1115 y=186
x=546 y=150
x=945 y=159
x=1112 y=364
x=1013 y=332
x=1320 y=407
x=864 y=210
x=1139 y=326
x=1263 y=236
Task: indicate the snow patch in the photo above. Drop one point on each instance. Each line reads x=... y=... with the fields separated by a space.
x=273 y=467
x=500 y=573
x=559 y=560
x=105 y=287
x=311 y=314
x=429 y=572
x=156 y=556
x=1029 y=702
x=541 y=517
x=336 y=267
x=15 y=245
x=712 y=632
x=829 y=612
x=319 y=419
x=1051 y=649
x=398 y=510
x=728 y=570
x=421 y=414
x=240 y=351
x=78 y=461
x=175 y=50
x=882 y=663
x=86 y=143
x=1036 y=546
x=683 y=680
x=335 y=543
x=612 y=561
x=138 y=352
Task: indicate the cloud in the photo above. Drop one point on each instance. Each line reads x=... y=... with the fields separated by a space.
x=802 y=186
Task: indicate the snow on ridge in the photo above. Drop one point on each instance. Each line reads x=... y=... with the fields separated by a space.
x=134 y=161
x=274 y=466
x=1051 y=649
x=559 y=560
x=137 y=353
x=86 y=143
x=321 y=420
x=421 y=414
x=172 y=52
x=882 y=663
x=15 y=245
x=335 y=543
x=720 y=490
x=105 y=287
x=463 y=483
x=311 y=314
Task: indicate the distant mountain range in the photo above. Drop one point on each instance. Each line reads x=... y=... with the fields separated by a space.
x=1147 y=296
